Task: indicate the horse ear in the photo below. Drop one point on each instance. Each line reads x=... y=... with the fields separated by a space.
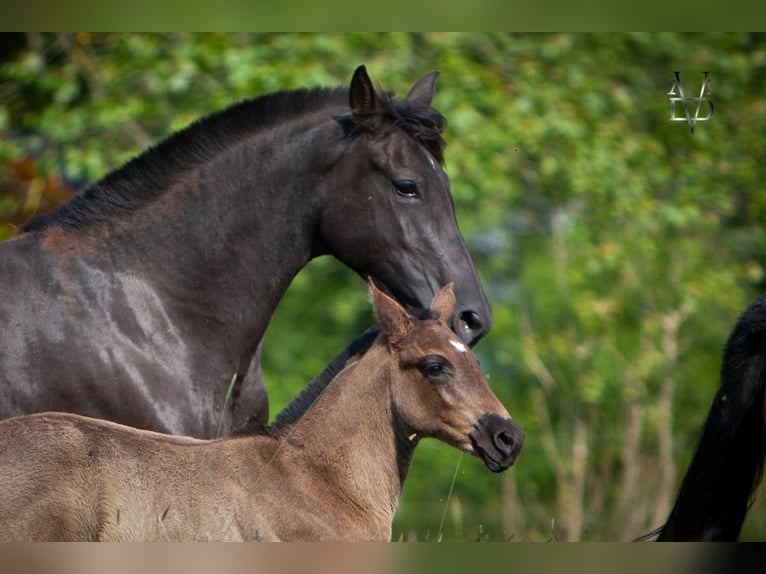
x=394 y=319
x=362 y=95
x=444 y=303
x=423 y=90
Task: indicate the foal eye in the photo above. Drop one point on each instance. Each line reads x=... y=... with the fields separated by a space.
x=406 y=188
x=433 y=369
x=432 y=366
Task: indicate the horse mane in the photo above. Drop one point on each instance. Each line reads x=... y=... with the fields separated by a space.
x=145 y=177
x=293 y=412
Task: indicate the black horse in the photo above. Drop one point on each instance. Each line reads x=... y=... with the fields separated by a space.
x=142 y=298
x=727 y=468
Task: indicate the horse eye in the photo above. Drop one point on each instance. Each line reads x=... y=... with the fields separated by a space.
x=406 y=188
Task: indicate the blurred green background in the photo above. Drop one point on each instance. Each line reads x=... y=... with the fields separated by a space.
x=617 y=249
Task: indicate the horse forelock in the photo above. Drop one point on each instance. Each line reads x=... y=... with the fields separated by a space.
x=422 y=123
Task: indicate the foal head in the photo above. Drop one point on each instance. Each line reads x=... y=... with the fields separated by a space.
x=438 y=389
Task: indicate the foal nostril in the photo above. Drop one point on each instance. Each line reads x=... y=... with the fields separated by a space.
x=504 y=442
x=472 y=326
x=497 y=440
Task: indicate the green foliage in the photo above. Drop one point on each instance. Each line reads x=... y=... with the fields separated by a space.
x=617 y=248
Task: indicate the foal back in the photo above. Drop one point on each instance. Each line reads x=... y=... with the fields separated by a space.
x=91 y=480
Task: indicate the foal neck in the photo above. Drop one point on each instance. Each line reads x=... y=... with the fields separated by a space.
x=350 y=438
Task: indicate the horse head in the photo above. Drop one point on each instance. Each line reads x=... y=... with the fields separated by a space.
x=394 y=218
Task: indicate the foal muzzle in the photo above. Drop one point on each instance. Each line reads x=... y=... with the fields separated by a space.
x=497 y=441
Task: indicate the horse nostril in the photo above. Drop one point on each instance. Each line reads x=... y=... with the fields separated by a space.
x=472 y=326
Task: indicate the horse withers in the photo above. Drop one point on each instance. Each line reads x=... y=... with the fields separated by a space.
x=331 y=467
x=141 y=299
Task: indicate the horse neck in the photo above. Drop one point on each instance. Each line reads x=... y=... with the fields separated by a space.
x=350 y=437
x=227 y=235
x=258 y=221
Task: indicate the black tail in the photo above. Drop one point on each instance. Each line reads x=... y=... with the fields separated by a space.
x=727 y=467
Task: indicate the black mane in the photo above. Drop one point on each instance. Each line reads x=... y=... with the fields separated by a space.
x=293 y=412
x=147 y=176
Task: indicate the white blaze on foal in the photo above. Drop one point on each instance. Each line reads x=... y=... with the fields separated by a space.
x=459 y=346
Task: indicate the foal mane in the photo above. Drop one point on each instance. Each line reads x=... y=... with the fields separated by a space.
x=293 y=412
x=145 y=177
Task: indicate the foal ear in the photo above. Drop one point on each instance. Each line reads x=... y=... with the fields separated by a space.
x=361 y=95
x=423 y=90
x=394 y=319
x=444 y=303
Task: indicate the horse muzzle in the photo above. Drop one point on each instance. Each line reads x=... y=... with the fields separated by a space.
x=497 y=441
